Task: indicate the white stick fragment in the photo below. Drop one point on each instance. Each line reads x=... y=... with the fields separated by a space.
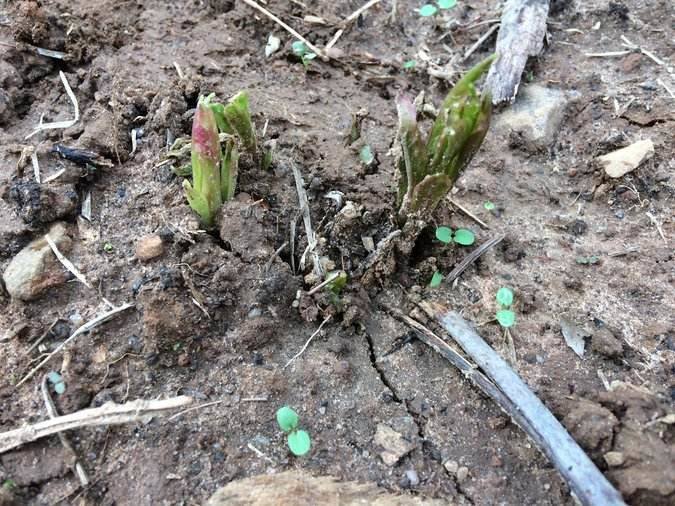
x=586 y=481
x=303 y=203
x=36 y=166
x=60 y=124
x=53 y=413
x=54 y=176
x=608 y=54
x=91 y=324
x=480 y=41
x=67 y=263
x=326 y=320
x=108 y=414
x=290 y=30
x=86 y=207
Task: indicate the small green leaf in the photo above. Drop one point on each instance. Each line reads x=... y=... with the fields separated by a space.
x=9 y=484
x=436 y=280
x=287 y=419
x=489 y=206
x=299 y=48
x=464 y=237
x=446 y=4
x=504 y=297
x=60 y=388
x=444 y=234
x=299 y=442
x=506 y=318
x=366 y=155
x=410 y=64
x=428 y=10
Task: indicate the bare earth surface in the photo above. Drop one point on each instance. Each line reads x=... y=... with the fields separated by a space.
x=214 y=314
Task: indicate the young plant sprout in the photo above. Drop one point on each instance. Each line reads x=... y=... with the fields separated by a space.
x=505 y=316
x=462 y=236
x=489 y=206
x=436 y=280
x=431 y=10
x=298 y=440
x=214 y=168
x=301 y=50
x=429 y=167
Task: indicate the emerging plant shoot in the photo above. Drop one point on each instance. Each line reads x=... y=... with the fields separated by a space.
x=429 y=168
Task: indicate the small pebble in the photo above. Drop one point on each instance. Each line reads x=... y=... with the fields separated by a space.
x=412 y=477
x=614 y=459
x=451 y=466
x=462 y=474
x=149 y=247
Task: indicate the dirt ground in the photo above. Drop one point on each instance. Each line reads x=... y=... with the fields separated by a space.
x=217 y=316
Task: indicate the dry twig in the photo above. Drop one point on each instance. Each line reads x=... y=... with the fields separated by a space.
x=66 y=263
x=326 y=320
x=108 y=414
x=91 y=324
x=471 y=258
x=290 y=30
x=60 y=124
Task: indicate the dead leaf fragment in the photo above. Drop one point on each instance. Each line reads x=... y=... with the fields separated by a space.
x=622 y=161
x=574 y=336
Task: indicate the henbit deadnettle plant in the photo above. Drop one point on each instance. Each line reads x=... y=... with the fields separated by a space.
x=428 y=170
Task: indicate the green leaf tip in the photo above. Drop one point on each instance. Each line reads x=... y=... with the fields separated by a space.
x=287 y=419
x=504 y=297
x=299 y=442
x=436 y=280
x=444 y=234
x=506 y=318
x=464 y=237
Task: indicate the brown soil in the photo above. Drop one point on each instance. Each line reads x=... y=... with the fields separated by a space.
x=214 y=318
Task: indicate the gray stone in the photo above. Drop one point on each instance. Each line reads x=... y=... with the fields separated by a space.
x=35 y=268
x=606 y=343
x=535 y=117
x=394 y=445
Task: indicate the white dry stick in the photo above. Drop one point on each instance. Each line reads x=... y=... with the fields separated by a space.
x=354 y=15
x=308 y=341
x=91 y=324
x=86 y=207
x=59 y=124
x=52 y=413
x=201 y=406
x=261 y=454
x=480 y=41
x=36 y=166
x=290 y=30
x=67 y=263
x=468 y=213
x=655 y=222
x=608 y=54
x=303 y=203
x=108 y=414
x=54 y=176
x=318 y=287
x=670 y=92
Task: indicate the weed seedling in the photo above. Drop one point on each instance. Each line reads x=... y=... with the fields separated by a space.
x=57 y=382
x=505 y=316
x=298 y=440
x=430 y=166
x=301 y=50
x=436 y=280
x=428 y=10
x=460 y=236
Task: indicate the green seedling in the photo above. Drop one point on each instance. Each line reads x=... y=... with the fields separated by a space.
x=461 y=236
x=9 y=484
x=57 y=382
x=489 y=206
x=298 y=440
x=301 y=50
x=430 y=166
x=428 y=10
x=436 y=280
x=409 y=64
x=366 y=155
x=505 y=316
x=216 y=131
x=591 y=260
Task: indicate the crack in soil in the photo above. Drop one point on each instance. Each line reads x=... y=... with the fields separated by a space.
x=417 y=419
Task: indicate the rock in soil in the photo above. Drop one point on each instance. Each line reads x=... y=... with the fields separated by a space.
x=149 y=247
x=35 y=268
x=591 y=425
x=297 y=487
x=535 y=117
x=605 y=343
x=394 y=445
x=44 y=203
x=622 y=161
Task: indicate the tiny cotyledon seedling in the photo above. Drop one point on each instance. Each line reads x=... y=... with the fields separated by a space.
x=298 y=440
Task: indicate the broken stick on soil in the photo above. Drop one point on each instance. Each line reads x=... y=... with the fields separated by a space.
x=471 y=258
x=586 y=481
x=81 y=330
x=303 y=203
x=326 y=320
x=108 y=414
x=52 y=413
x=521 y=35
